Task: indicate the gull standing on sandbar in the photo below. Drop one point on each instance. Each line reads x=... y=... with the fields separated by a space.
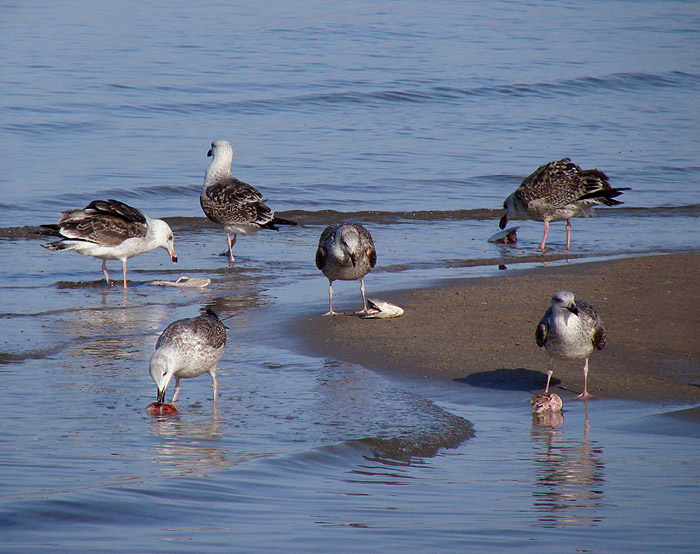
x=556 y=191
x=345 y=252
x=110 y=230
x=570 y=329
x=235 y=205
x=188 y=348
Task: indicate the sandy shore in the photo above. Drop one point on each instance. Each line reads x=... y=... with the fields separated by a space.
x=481 y=331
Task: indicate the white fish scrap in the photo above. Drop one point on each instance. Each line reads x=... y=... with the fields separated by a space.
x=185 y=282
x=381 y=309
x=507 y=236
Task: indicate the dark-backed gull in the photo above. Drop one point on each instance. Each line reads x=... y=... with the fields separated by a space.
x=558 y=191
x=570 y=329
x=110 y=230
x=235 y=205
x=345 y=252
x=188 y=348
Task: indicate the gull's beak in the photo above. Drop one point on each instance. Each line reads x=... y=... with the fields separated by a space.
x=209 y=154
x=573 y=309
x=504 y=221
x=161 y=395
x=173 y=256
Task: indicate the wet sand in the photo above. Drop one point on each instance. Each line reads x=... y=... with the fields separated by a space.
x=482 y=331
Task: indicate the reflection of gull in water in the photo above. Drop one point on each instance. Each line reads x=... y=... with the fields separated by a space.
x=103 y=338
x=110 y=230
x=346 y=252
x=569 y=477
x=556 y=191
x=570 y=329
x=188 y=348
x=194 y=447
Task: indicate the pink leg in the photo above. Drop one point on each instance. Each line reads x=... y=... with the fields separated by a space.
x=364 y=298
x=177 y=389
x=330 y=299
x=231 y=242
x=214 y=386
x=568 y=233
x=549 y=373
x=584 y=395
x=104 y=270
x=124 y=272
x=544 y=237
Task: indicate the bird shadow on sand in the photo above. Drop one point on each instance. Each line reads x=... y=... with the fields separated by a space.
x=518 y=379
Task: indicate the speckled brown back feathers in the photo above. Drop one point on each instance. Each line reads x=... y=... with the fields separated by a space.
x=205 y=326
x=563 y=182
x=230 y=201
x=107 y=223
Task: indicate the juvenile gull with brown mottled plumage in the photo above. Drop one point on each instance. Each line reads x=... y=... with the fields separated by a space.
x=558 y=191
x=110 y=230
x=235 y=205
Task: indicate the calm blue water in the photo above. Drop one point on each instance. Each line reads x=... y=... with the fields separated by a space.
x=416 y=119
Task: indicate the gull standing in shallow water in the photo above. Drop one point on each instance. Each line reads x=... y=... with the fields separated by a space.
x=235 y=205
x=345 y=252
x=110 y=230
x=556 y=191
x=188 y=348
x=570 y=329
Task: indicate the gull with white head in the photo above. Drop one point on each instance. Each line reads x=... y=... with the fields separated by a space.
x=233 y=204
x=188 y=348
x=569 y=330
x=110 y=230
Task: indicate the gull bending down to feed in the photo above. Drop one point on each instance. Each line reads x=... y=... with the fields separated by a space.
x=188 y=348
x=109 y=230
x=558 y=191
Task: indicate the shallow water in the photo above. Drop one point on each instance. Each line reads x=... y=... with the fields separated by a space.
x=417 y=122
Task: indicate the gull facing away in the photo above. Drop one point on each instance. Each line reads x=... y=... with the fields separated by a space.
x=110 y=230
x=570 y=329
x=235 y=205
x=188 y=348
x=558 y=191
x=346 y=252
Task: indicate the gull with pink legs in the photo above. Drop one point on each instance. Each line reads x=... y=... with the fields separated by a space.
x=558 y=191
x=346 y=252
x=569 y=330
x=109 y=230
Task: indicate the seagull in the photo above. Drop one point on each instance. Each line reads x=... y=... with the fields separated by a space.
x=570 y=329
x=556 y=191
x=187 y=348
x=109 y=230
x=235 y=205
x=345 y=252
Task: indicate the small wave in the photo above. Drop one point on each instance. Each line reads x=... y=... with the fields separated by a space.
x=51 y=128
x=413 y=93
x=325 y=217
